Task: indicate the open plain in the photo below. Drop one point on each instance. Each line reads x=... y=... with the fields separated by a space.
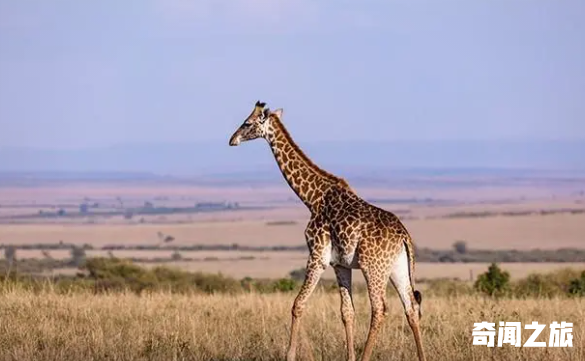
x=47 y=326
x=495 y=213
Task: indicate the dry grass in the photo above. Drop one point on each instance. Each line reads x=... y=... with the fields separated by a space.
x=48 y=326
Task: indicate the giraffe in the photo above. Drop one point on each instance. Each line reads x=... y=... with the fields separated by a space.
x=343 y=231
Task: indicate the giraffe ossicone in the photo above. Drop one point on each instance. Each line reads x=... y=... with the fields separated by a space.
x=344 y=231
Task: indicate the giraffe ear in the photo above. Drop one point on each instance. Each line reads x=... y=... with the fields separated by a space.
x=278 y=112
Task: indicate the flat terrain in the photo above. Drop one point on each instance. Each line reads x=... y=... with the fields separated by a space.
x=500 y=232
x=47 y=326
x=491 y=213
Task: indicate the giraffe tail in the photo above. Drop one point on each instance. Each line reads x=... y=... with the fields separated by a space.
x=417 y=294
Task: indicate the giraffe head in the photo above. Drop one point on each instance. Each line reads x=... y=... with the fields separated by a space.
x=256 y=125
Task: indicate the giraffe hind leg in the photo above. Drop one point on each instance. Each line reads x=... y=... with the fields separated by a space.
x=347 y=308
x=376 y=281
x=411 y=299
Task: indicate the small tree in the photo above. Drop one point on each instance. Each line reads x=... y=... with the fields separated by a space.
x=460 y=247
x=577 y=286
x=495 y=282
x=284 y=285
x=248 y=284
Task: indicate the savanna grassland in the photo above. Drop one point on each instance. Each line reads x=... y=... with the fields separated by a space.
x=160 y=326
x=247 y=223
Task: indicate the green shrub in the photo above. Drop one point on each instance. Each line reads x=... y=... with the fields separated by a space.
x=248 y=284
x=212 y=283
x=494 y=283
x=111 y=274
x=285 y=285
x=551 y=284
x=536 y=285
x=577 y=286
x=115 y=274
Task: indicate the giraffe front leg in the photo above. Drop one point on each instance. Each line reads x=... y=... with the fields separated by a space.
x=315 y=268
x=347 y=309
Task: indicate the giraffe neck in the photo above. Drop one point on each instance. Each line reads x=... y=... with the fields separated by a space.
x=307 y=180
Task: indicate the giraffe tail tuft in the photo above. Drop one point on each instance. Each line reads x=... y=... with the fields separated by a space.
x=417 y=295
x=418 y=298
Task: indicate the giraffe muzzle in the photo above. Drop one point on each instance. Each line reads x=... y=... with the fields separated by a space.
x=235 y=140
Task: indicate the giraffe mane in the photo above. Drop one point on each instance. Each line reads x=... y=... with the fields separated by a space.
x=305 y=159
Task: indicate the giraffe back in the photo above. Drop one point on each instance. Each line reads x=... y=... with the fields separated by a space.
x=361 y=231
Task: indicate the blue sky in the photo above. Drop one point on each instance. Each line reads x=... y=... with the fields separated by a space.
x=75 y=74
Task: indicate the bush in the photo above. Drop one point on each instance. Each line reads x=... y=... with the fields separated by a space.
x=551 y=284
x=537 y=285
x=115 y=274
x=285 y=285
x=112 y=274
x=213 y=283
x=577 y=286
x=494 y=282
x=248 y=284
x=460 y=247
